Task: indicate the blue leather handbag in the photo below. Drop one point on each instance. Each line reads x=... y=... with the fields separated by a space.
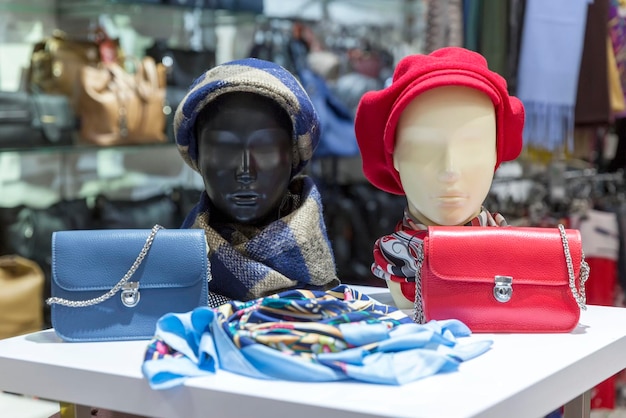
x=113 y=285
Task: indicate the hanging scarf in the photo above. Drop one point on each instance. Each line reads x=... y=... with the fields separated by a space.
x=302 y=335
x=444 y=24
x=617 y=33
x=248 y=262
x=593 y=104
x=550 y=57
x=494 y=31
x=396 y=255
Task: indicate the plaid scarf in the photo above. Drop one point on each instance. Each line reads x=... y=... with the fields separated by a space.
x=395 y=255
x=248 y=262
x=304 y=335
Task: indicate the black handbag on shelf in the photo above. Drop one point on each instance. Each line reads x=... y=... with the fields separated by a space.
x=34 y=120
x=136 y=214
x=140 y=1
x=254 y=6
x=173 y=96
x=183 y=66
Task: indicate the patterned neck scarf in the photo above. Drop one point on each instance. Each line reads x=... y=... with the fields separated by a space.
x=396 y=255
x=248 y=262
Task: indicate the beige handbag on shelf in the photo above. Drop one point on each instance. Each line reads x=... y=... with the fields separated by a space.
x=21 y=296
x=120 y=108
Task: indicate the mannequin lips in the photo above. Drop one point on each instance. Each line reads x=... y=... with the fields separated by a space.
x=451 y=199
x=245 y=198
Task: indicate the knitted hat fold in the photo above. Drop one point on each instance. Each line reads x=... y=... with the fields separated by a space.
x=255 y=76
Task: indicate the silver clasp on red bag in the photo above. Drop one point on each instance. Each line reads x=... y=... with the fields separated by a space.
x=503 y=288
x=130 y=294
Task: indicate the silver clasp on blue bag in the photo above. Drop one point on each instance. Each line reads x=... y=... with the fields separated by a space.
x=130 y=294
x=503 y=288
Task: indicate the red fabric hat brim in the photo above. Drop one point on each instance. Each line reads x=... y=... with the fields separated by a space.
x=378 y=112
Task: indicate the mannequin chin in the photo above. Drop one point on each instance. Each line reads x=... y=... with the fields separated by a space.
x=445 y=155
x=245 y=157
x=399 y=299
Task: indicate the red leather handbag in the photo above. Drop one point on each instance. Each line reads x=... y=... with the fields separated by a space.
x=509 y=279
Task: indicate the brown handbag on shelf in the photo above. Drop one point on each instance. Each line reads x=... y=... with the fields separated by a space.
x=56 y=62
x=21 y=296
x=117 y=107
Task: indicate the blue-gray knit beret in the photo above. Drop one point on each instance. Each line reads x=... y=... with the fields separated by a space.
x=255 y=76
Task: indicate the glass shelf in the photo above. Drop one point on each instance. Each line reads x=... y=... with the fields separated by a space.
x=82 y=148
x=155 y=13
x=30 y=7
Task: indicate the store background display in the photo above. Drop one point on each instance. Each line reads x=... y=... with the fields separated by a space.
x=360 y=41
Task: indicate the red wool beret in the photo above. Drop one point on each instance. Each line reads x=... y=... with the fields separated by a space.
x=379 y=111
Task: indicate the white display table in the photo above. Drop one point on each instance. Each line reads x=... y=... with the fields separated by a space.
x=523 y=375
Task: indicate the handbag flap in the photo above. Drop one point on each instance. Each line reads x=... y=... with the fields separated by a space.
x=53 y=109
x=53 y=115
x=478 y=254
x=15 y=106
x=98 y=259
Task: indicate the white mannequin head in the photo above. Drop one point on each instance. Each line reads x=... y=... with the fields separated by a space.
x=437 y=134
x=445 y=154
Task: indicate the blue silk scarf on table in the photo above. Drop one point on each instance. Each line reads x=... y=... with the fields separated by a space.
x=305 y=335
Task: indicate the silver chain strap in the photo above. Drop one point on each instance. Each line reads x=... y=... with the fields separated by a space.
x=579 y=295
x=118 y=286
x=418 y=313
x=584 y=272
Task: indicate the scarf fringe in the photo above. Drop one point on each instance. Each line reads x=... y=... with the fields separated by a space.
x=549 y=125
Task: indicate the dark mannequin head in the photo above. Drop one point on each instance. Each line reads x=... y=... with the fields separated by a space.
x=254 y=106
x=245 y=156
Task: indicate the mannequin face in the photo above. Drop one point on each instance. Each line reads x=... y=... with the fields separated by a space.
x=245 y=156
x=445 y=154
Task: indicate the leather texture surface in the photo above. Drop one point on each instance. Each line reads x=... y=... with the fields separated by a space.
x=461 y=263
x=117 y=107
x=173 y=277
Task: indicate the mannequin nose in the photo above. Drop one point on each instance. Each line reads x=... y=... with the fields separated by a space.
x=449 y=172
x=246 y=172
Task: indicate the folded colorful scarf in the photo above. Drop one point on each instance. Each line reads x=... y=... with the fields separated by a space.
x=301 y=335
x=248 y=262
x=396 y=254
x=550 y=57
